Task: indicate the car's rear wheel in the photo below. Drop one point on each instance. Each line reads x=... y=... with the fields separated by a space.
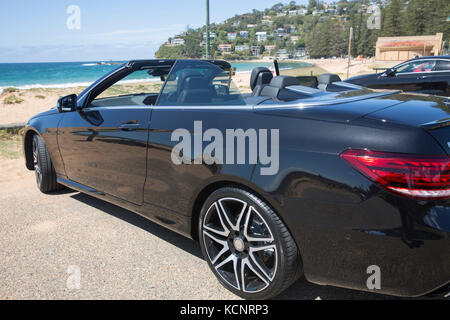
x=43 y=166
x=246 y=244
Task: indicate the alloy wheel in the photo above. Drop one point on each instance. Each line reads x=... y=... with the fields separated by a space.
x=240 y=245
x=37 y=168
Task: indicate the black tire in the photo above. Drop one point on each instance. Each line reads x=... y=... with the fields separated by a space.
x=43 y=167
x=245 y=269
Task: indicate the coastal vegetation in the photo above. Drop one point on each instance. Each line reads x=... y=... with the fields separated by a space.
x=10 y=144
x=10 y=90
x=12 y=99
x=317 y=30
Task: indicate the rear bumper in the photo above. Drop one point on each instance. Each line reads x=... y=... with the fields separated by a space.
x=408 y=240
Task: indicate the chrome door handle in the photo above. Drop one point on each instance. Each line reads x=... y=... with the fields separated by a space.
x=129 y=126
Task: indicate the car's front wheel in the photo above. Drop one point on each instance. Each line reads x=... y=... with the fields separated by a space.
x=43 y=166
x=246 y=244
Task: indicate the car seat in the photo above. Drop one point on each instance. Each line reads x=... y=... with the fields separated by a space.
x=326 y=80
x=260 y=78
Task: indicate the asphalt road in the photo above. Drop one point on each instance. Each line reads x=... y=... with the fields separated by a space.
x=47 y=239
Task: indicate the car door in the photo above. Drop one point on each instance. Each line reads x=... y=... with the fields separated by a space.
x=196 y=94
x=411 y=76
x=104 y=145
x=439 y=78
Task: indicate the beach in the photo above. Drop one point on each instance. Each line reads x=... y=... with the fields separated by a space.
x=18 y=105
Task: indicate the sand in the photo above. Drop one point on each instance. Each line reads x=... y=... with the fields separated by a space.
x=39 y=100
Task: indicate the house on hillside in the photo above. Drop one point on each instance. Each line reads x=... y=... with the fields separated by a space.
x=177 y=42
x=300 y=53
x=256 y=50
x=292 y=29
x=224 y=47
x=212 y=35
x=251 y=25
x=292 y=13
x=280 y=33
x=302 y=12
x=241 y=48
x=267 y=22
x=231 y=36
x=244 y=34
x=282 y=54
x=270 y=48
x=261 y=36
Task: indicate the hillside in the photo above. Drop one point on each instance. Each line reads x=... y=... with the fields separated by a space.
x=317 y=30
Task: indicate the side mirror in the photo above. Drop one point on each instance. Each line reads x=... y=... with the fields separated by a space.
x=67 y=103
x=390 y=72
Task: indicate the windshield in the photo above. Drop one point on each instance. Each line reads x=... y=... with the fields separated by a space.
x=200 y=83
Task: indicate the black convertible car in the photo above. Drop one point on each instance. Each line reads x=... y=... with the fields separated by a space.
x=430 y=75
x=345 y=185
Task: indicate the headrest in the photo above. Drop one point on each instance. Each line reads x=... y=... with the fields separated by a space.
x=183 y=76
x=329 y=78
x=282 y=82
x=255 y=75
x=195 y=82
x=264 y=78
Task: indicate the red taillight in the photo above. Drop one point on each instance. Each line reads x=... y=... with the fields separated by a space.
x=420 y=177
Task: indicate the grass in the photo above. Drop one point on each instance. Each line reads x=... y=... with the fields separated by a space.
x=10 y=144
x=12 y=99
x=10 y=90
x=39 y=96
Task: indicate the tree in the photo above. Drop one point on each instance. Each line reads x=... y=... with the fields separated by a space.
x=168 y=52
x=415 y=17
x=392 y=23
x=312 y=5
x=192 y=47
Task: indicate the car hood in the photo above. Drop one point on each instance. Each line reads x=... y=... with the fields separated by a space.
x=53 y=110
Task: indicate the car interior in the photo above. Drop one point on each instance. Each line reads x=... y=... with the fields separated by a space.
x=199 y=86
x=283 y=88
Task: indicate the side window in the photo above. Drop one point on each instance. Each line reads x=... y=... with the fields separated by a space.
x=443 y=65
x=136 y=89
x=199 y=83
x=417 y=66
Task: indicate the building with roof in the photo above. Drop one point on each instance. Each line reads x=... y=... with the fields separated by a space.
x=244 y=34
x=261 y=36
x=177 y=42
x=240 y=48
x=224 y=47
x=405 y=48
x=231 y=36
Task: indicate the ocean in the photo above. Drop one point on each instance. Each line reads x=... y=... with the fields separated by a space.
x=72 y=74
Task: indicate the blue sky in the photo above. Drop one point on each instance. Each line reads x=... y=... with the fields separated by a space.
x=36 y=31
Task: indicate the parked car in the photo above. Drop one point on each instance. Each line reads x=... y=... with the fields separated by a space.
x=429 y=75
x=361 y=183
